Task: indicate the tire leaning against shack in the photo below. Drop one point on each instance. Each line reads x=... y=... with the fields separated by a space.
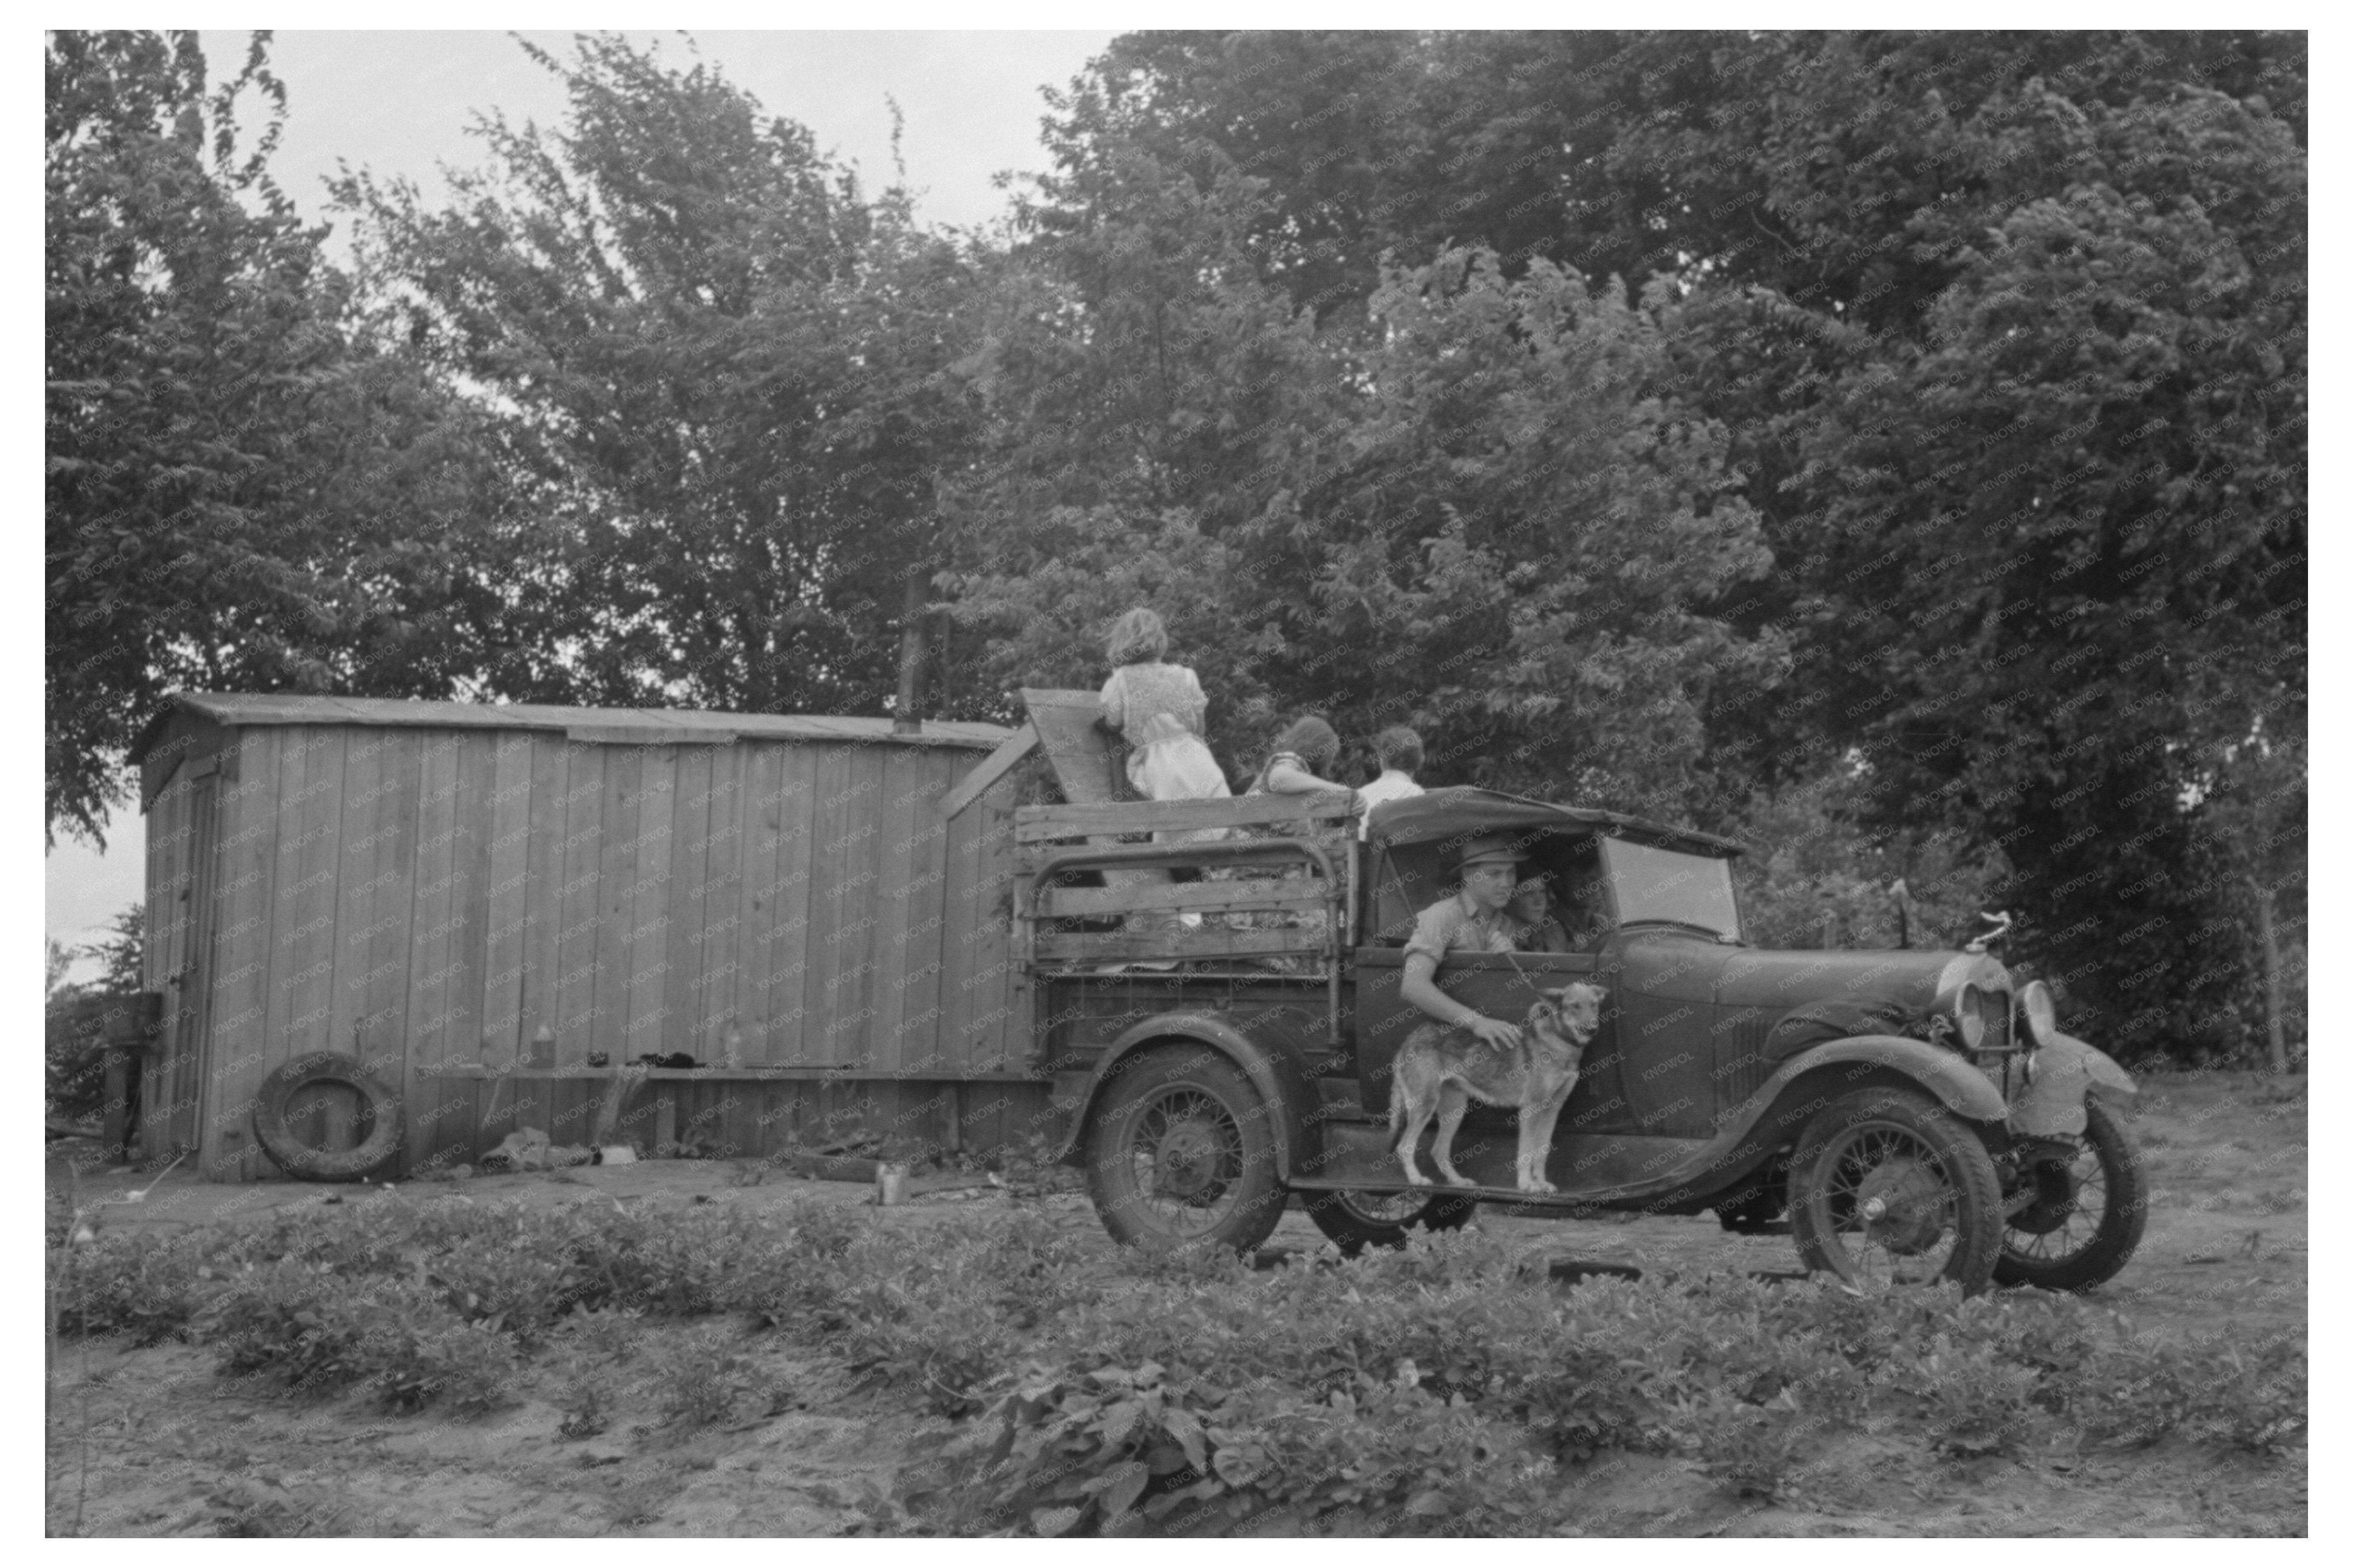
x=299 y=1158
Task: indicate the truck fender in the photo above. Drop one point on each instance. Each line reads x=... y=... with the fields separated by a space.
x=1278 y=1077
x=1959 y=1087
x=2065 y=1069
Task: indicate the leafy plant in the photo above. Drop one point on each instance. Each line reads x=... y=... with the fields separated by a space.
x=699 y=1378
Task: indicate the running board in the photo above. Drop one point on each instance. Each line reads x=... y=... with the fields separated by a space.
x=1395 y=1185
x=1593 y=1170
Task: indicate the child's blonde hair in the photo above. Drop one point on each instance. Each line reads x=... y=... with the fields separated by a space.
x=1135 y=637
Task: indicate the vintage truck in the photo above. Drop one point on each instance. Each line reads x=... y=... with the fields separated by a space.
x=1916 y=1115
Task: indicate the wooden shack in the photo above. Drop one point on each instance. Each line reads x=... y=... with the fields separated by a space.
x=475 y=899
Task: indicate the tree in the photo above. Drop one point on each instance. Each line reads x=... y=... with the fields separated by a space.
x=2252 y=803
x=1373 y=144
x=722 y=388
x=244 y=490
x=2005 y=335
x=1517 y=538
x=75 y=1014
x=2060 y=538
x=1467 y=513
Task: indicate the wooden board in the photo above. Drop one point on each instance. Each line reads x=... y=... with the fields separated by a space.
x=608 y=1016
x=184 y=849
x=923 y=1025
x=242 y=948
x=544 y=906
x=645 y=735
x=383 y=1022
x=304 y=921
x=1206 y=942
x=163 y=948
x=716 y=963
x=1089 y=759
x=999 y=763
x=766 y=805
x=685 y=963
x=469 y=947
x=974 y=938
x=889 y=903
x=644 y=968
x=1039 y=824
x=437 y=911
x=579 y=895
x=835 y=1032
x=1272 y=893
x=507 y=898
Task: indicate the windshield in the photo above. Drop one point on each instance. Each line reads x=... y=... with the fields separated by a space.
x=1651 y=884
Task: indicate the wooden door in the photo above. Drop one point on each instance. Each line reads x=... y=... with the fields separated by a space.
x=181 y=885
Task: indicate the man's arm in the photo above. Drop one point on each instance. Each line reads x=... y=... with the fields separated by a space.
x=1419 y=988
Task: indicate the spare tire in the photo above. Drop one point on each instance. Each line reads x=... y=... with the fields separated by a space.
x=300 y=1160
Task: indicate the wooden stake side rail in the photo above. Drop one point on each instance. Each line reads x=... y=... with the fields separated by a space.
x=1039 y=824
x=1292 y=893
x=1257 y=854
x=1109 y=946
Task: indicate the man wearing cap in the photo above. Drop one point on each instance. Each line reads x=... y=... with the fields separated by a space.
x=1471 y=920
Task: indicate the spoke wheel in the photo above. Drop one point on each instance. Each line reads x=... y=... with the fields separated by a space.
x=1356 y=1220
x=2088 y=1212
x=1178 y=1153
x=1888 y=1189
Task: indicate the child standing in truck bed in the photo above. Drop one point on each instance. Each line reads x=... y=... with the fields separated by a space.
x=1160 y=709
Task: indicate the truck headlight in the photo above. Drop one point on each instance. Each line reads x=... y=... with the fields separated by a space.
x=1968 y=1015
x=2042 y=1012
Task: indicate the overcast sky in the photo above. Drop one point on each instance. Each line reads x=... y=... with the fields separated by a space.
x=399 y=103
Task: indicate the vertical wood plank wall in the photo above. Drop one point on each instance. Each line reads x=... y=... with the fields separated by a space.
x=428 y=898
x=173 y=931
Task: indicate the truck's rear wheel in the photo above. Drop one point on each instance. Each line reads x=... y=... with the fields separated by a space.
x=1358 y=1220
x=1179 y=1153
x=1889 y=1188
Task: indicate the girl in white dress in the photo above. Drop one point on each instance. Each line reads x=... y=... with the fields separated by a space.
x=1159 y=709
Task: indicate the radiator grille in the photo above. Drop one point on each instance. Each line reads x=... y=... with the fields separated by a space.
x=1993 y=1006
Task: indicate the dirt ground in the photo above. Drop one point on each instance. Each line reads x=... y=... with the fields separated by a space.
x=152 y=1442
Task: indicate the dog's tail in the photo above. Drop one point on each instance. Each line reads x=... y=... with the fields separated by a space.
x=1396 y=1111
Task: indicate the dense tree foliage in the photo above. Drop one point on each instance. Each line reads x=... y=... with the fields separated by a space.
x=76 y=1013
x=724 y=372
x=243 y=491
x=2005 y=333
x=1477 y=514
x=1888 y=446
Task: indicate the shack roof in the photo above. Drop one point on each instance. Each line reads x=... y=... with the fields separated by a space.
x=1464 y=812
x=630 y=726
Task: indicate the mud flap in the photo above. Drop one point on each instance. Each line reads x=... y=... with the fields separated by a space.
x=2065 y=1071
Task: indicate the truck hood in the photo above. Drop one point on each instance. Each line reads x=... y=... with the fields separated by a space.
x=1786 y=980
x=1811 y=997
x=1803 y=997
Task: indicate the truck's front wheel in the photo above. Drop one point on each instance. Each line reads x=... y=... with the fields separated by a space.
x=1888 y=1188
x=2088 y=1215
x=1179 y=1153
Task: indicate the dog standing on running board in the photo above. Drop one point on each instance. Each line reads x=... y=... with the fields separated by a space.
x=1439 y=1070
